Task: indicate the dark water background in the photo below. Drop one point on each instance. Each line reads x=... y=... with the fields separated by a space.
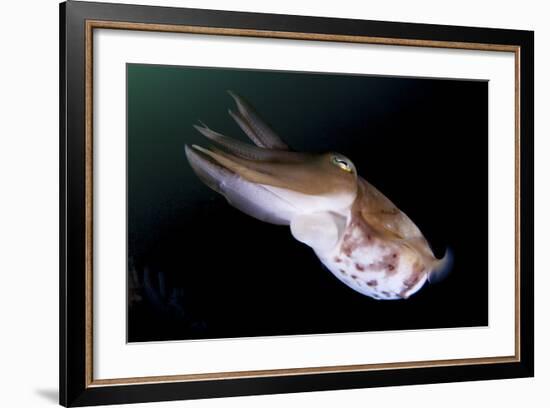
x=198 y=268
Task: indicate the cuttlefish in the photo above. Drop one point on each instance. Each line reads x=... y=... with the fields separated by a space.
x=355 y=231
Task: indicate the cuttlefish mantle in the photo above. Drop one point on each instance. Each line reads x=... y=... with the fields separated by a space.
x=355 y=231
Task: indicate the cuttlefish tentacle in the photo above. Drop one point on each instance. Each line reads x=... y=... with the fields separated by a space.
x=356 y=232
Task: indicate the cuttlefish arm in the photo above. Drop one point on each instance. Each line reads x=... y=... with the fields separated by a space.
x=254 y=127
x=320 y=196
x=252 y=199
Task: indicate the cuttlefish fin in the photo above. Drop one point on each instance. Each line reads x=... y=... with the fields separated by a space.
x=442 y=267
x=254 y=127
x=320 y=230
x=250 y=198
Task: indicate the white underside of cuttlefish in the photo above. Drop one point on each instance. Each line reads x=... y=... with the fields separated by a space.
x=355 y=231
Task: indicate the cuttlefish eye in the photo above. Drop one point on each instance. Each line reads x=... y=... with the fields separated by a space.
x=343 y=163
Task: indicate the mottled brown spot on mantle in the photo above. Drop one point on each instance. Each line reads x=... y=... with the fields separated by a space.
x=357 y=235
x=372 y=283
x=343 y=272
x=359 y=267
x=337 y=259
x=409 y=283
x=390 y=269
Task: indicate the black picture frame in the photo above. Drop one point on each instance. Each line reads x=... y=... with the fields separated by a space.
x=77 y=387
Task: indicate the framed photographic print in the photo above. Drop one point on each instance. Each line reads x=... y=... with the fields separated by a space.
x=255 y=203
